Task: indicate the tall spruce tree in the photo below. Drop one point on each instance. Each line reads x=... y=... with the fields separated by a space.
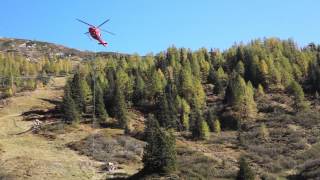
x=198 y=98
x=184 y=114
x=186 y=82
x=167 y=112
x=109 y=97
x=241 y=97
x=125 y=82
x=80 y=91
x=167 y=109
x=240 y=68
x=157 y=83
x=159 y=154
x=220 y=81
x=100 y=109
x=200 y=129
x=120 y=107
x=298 y=94
x=70 y=113
x=314 y=75
x=139 y=89
x=210 y=118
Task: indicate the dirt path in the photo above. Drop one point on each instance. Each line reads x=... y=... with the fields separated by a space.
x=29 y=156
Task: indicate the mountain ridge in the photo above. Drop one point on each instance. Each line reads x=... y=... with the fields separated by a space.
x=34 y=50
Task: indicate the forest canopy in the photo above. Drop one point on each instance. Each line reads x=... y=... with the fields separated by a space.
x=173 y=84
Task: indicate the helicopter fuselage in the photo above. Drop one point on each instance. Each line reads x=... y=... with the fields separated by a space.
x=96 y=34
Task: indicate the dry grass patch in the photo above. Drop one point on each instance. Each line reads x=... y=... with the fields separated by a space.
x=110 y=146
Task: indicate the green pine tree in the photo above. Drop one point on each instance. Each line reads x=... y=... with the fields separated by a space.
x=70 y=113
x=314 y=75
x=299 y=100
x=240 y=96
x=139 y=89
x=159 y=154
x=120 y=107
x=186 y=86
x=220 y=81
x=240 y=68
x=158 y=82
x=167 y=109
x=200 y=129
x=167 y=112
x=205 y=131
x=245 y=172
x=100 y=109
x=184 y=114
x=80 y=91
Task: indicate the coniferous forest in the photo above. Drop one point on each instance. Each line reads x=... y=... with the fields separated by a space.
x=251 y=111
x=18 y=73
x=264 y=90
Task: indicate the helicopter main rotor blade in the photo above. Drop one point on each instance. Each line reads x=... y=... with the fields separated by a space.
x=87 y=33
x=85 y=22
x=108 y=32
x=104 y=22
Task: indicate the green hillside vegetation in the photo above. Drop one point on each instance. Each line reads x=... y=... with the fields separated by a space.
x=175 y=85
x=251 y=111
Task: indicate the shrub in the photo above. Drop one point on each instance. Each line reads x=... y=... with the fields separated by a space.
x=245 y=172
x=8 y=93
x=263 y=132
x=217 y=126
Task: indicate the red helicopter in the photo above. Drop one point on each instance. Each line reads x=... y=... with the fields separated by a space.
x=95 y=32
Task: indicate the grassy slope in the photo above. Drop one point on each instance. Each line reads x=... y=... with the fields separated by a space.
x=29 y=156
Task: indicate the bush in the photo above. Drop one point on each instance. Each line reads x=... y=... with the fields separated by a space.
x=245 y=172
x=264 y=133
x=217 y=126
x=122 y=149
x=8 y=93
x=310 y=170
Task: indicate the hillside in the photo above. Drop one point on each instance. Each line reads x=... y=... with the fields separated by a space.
x=178 y=114
x=35 y=50
x=27 y=156
x=258 y=101
x=49 y=154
